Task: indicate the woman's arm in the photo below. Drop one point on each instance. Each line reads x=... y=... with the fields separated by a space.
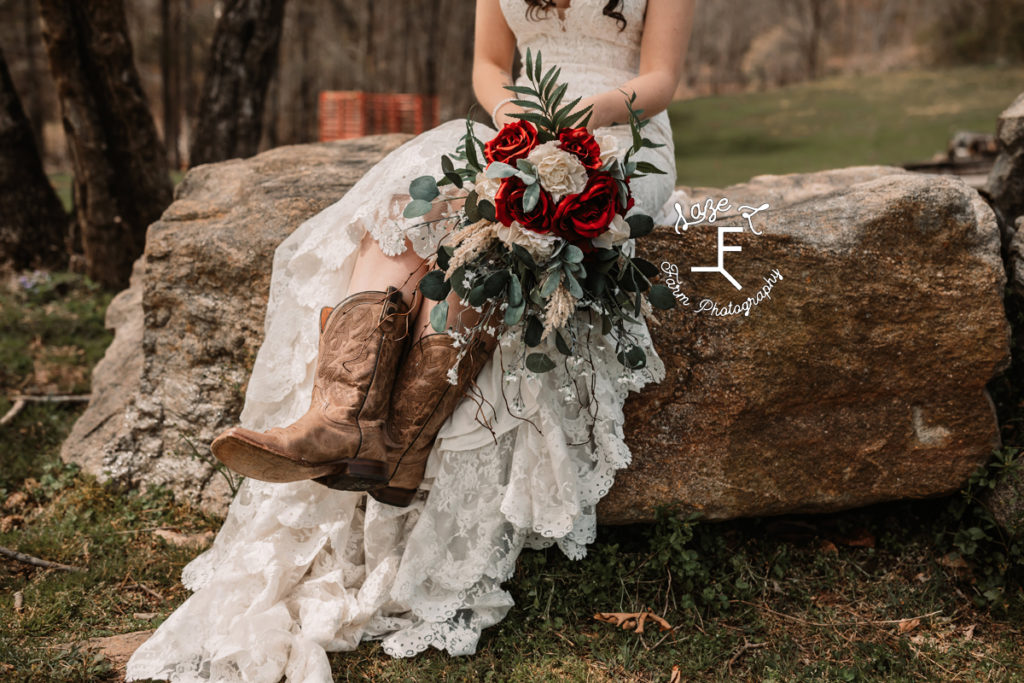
x=494 y=49
x=667 y=30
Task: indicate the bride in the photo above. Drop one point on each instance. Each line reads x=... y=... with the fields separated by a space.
x=332 y=538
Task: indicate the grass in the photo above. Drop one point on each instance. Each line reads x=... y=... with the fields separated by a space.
x=890 y=118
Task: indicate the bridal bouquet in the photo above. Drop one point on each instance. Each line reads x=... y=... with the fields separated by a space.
x=543 y=228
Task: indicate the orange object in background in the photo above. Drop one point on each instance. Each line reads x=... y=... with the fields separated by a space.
x=348 y=114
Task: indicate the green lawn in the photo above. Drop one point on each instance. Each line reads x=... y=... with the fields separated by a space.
x=842 y=121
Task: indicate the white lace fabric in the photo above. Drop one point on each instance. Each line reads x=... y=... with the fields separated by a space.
x=299 y=570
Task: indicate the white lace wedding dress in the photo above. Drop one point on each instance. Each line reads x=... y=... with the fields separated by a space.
x=298 y=570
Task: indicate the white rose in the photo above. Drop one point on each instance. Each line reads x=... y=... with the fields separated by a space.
x=616 y=234
x=539 y=245
x=609 y=145
x=560 y=172
x=486 y=187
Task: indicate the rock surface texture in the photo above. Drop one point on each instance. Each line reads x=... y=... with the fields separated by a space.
x=861 y=379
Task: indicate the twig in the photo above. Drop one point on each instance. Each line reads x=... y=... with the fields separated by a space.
x=746 y=646
x=670 y=632
x=146 y=588
x=20 y=401
x=38 y=562
x=13 y=412
x=52 y=398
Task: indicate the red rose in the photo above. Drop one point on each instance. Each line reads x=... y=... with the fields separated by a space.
x=580 y=142
x=513 y=141
x=580 y=217
x=508 y=206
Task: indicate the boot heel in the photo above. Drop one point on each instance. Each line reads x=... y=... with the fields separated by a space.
x=358 y=475
x=392 y=495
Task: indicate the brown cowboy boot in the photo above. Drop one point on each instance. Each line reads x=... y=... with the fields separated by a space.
x=361 y=341
x=422 y=400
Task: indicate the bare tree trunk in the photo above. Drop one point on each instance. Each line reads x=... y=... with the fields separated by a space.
x=121 y=181
x=34 y=101
x=32 y=220
x=242 y=60
x=170 y=69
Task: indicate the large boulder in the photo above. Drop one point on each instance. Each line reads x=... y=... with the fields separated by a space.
x=861 y=379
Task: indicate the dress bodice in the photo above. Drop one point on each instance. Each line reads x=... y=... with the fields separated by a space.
x=593 y=53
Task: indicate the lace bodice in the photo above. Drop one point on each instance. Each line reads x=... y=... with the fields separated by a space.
x=593 y=53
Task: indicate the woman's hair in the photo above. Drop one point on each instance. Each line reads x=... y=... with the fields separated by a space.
x=611 y=9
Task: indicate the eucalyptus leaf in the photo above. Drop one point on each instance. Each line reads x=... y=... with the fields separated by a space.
x=573 y=254
x=495 y=282
x=524 y=256
x=470 y=207
x=550 y=283
x=513 y=314
x=477 y=296
x=640 y=225
x=534 y=330
x=539 y=362
x=434 y=286
x=439 y=316
x=486 y=209
x=515 y=291
x=443 y=254
x=573 y=285
x=499 y=169
x=561 y=345
x=645 y=266
x=417 y=208
x=456 y=281
x=531 y=197
x=633 y=357
x=661 y=297
x=424 y=187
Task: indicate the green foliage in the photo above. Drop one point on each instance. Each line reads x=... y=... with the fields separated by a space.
x=997 y=558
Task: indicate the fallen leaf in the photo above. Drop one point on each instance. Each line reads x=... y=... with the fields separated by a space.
x=969 y=632
x=828 y=546
x=15 y=500
x=145 y=616
x=677 y=677
x=632 y=620
x=11 y=522
x=860 y=538
x=178 y=539
x=119 y=649
x=908 y=625
x=953 y=560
